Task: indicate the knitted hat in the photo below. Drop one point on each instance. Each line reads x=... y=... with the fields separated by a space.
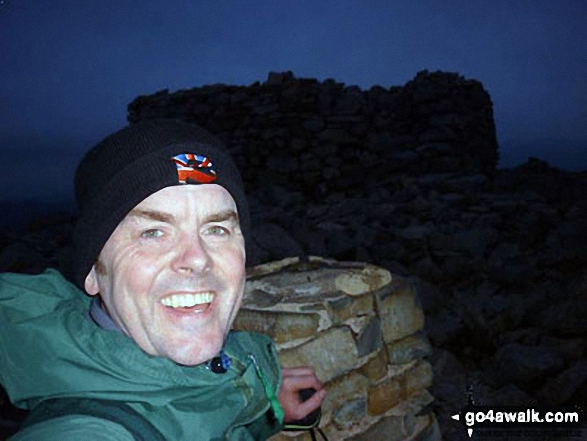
x=132 y=164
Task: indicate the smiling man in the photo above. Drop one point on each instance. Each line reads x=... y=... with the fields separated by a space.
x=174 y=269
x=159 y=247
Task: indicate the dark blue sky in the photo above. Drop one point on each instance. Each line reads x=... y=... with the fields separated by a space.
x=68 y=68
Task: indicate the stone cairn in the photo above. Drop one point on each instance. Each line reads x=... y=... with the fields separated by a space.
x=362 y=331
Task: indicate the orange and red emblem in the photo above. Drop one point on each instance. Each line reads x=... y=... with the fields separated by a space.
x=193 y=167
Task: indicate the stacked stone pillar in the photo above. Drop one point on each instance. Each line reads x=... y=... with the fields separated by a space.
x=361 y=329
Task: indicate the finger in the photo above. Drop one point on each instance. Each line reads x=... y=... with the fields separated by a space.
x=302 y=410
x=303 y=382
x=312 y=403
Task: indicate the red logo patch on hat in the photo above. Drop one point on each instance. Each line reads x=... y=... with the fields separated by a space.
x=192 y=167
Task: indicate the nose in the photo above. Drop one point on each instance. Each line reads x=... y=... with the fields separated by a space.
x=191 y=257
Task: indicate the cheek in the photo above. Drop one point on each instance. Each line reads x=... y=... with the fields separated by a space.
x=233 y=263
x=137 y=259
x=134 y=272
x=234 y=273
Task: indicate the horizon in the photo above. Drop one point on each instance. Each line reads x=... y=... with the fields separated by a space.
x=17 y=185
x=35 y=200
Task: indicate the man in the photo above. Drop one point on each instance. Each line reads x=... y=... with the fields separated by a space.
x=159 y=245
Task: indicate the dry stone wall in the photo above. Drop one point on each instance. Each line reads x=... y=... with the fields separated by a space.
x=362 y=330
x=322 y=137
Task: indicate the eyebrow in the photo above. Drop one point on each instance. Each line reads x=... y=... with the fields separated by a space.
x=153 y=215
x=222 y=216
x=226 y=215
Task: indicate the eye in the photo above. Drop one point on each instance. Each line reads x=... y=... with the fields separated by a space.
x=152 y=233
x=217 y=230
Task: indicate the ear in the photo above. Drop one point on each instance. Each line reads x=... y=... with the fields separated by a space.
x=91 y=282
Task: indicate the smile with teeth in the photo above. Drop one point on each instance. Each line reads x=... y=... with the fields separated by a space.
x=188 y=300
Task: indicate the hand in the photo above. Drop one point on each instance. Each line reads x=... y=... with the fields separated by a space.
x=294 y=380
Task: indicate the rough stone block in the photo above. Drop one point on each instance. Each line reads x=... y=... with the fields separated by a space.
x=342 y=390
x=430 y=431
x=343 y=308
x=391 y=392
x=409 y=348
x=282 y=327
x=363 y=280
x=523 y=363
x=376 y=368
x=392 y=428
x=384 y=396
x=350 y=413
x=419 y=378
x=292 y=281
x=331 y=353
x=415 y=403
x=269 y=267
x=400 y=311
x=369 y=340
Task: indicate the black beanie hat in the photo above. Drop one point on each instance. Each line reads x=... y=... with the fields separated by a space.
x=132 y=164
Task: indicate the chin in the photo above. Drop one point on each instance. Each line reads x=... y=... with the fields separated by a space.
x=195 y=356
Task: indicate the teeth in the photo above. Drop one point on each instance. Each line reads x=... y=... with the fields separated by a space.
x=188 y=300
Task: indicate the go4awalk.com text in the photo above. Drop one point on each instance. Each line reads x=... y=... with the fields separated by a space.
x=509 y=421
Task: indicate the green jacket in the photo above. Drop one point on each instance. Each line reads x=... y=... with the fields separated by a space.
x=49 y=348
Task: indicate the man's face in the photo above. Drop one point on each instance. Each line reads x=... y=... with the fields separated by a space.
x=172 y=275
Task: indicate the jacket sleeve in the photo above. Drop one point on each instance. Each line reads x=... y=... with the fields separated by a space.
x=74 y=428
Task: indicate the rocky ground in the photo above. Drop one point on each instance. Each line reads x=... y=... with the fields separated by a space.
x=500 y=264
